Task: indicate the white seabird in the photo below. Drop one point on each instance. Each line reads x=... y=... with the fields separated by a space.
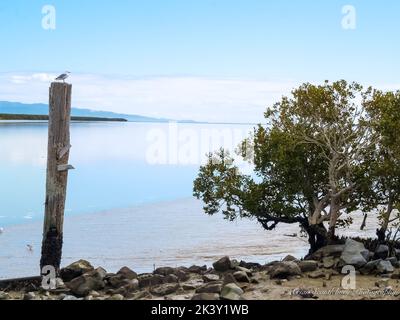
x=63 y=76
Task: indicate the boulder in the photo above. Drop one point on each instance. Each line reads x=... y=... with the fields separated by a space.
x=127 y=273
x=148 y=280
x=308 y=265
x=331 y=250
x=283 y=270
x=212 y=287
x=370 y=267
x=117 y=297
x=210 y=277
x=4 y=295
x=248 y=271
x=384 y=266
x=164 y=271
x=289 y=258
x=249 y=265
x=75 y=270
x=197 y=269
x=182 y=274
x=393 y=261
x=231 y=292
x=229 y=278
x=93 y=280
x=353 y=254
x=328 y=262
x=382 y=252
x=205 y=296
x=397 y=253
x=223 y=264
x=164 y=289
x=241 y=276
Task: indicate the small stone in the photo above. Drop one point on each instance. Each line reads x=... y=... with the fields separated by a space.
x=231 y=292
x=223 y=264
x=382 y=283
x=29 y=296
x=70 y=298
x=317 y=274
x=393 y=261
x=324 y=284
x=4 y=295
x=117 y=297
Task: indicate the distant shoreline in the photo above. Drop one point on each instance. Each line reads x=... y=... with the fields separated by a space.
x=46 y=118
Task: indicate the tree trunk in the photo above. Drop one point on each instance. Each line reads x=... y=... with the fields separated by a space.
x=317 y=236
x=57 y=173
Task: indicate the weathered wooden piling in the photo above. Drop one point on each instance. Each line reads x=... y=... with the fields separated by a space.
x=57 y=173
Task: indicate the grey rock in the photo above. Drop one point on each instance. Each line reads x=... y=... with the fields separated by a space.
x=248 y=271
x=210 y=277
x=308 y=265
x=382 y=252
x=148 y=280
x=197 y=269
x=283 y=270
x=393 y=261
x=127 y=273
x=397 y=253
x=212 y=287
x=205 y=296
x=318 y=274
x=331 y=250
x=328 y=262
x=117 y=297
x=71 y=298
x=4 y=295
x=75 y=270
x=231 y=292
x=165 y=289
x=223 y=264
x=353 y=254
x=93 y=280
x=229 y=278
x=241 y=276
x=164 y=271
x=29 y=296
x=289 y=258
x=370 y=267
x=384 y=266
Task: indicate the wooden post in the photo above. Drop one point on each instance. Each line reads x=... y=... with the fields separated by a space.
x=57 y=173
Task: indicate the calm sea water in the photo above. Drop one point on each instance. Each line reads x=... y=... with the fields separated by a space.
x=129 y=200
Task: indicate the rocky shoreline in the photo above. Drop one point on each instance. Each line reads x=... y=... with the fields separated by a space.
x=377 y=276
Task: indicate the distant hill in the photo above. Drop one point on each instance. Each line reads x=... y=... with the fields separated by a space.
x=43 y=109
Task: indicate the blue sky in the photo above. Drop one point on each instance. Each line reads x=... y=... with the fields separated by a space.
x=223 y=47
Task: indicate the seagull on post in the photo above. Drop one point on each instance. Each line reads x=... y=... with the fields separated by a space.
x=63 y=76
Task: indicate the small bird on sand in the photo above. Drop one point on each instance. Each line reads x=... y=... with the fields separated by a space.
x=29 y=247
x=63 y=76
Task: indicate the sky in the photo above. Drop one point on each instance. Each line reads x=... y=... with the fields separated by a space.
x=212 y=60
